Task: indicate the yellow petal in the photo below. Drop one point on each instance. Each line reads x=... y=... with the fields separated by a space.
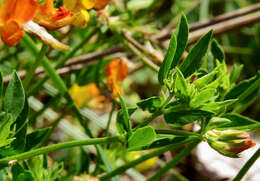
x=88 y=4
x=85 y=14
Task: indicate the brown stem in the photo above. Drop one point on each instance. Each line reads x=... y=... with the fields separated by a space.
x=223 y=27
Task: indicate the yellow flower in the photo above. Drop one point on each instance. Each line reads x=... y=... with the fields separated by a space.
x=82 y=95
x=144 y=166
x=80 y=9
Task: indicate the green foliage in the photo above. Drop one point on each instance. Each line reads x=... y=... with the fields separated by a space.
x=14 y=97
x=141 y=137
x=151 y=104
x=36 y=171
x=5 y=126
x=167 y=62
x=217 y=51
x=181 y=86
x=179 y=118
x=196 y=56
x=182 y=39
x=121 y=124
x=204 y=89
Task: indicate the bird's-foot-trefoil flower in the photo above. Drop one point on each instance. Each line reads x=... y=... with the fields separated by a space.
x=229 y=142
x=17 y=16
x=81 y=9
x=116 y=72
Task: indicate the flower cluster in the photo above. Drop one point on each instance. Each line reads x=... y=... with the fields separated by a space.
x=80 y=9
x=229 y=142
x=17 y=16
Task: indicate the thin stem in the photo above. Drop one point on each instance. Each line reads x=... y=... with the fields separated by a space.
x=185 y=152
x=59 y=146
x=176 y=132
x=142 y=57
x=30 y=74
x=247 y=166
x=60 y=61
x=110 y=118
x=133 y=163
x=64 y=91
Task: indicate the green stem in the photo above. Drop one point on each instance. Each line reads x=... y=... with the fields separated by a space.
x=185 y=152
x=64 y=91
x=247 y=166
x=110 y=118
x=176 y=132
x=133 y=163
x=61 y=61
x=30 y=74
x=59 y=146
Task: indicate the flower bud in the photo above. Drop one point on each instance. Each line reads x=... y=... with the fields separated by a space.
x=229 y=142
x=226 y=135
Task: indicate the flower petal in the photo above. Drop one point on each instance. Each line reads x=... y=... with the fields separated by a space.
x=12 y=32
x=41 y=32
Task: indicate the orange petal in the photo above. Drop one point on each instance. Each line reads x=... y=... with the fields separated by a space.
x=20 y=10
x=12 y=33
x=25 y=10
x=53 y=18
x=101 y=4
x=244 y=146
x=116 y=72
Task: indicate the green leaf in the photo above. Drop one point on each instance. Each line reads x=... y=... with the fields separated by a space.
x=203 y=97
x=166 y=65
x=217 y=107
x=217 y=122
x=17 y=172
x=120 y=124
x=5 y=126
x=36 y=138
x=141 y=137
x=125 y=116
x=82 y=162
x=244 y=89
x=235 y=73
x=195 y=58
x=181 y=86
x=238 y=120
x=179 y=118
x=151 y=104
x=217 y=51
x=14 y=97
x=205 y=80
x=182 y=39
x=21 y=129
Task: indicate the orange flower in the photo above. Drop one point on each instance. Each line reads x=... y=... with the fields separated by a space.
x=16 y=14
x=53 y=18
x=13 y=14
x=116 y=72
